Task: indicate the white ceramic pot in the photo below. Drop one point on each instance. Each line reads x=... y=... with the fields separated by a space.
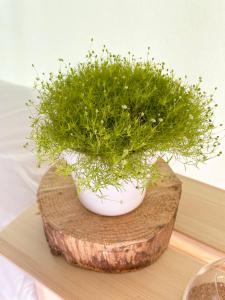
x=114 y=202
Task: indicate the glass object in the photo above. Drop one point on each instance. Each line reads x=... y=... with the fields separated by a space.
x=208 y=283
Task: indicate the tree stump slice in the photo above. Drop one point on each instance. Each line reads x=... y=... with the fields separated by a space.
x=108 y=244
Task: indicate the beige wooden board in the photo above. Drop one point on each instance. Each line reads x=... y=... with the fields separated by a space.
x=201 y=213
x=23 y=242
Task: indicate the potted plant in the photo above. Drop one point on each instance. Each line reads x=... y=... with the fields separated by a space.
x=109 y=118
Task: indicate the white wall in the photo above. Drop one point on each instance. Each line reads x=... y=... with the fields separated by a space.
x=189 y=35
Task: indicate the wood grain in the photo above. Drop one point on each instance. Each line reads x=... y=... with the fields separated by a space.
x=23 y=242
x=201 y=213
x=109 y=244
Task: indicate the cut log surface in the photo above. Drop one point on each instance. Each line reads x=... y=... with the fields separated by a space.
x=109 y=244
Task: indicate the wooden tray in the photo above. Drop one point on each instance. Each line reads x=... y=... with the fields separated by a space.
x=110 y=244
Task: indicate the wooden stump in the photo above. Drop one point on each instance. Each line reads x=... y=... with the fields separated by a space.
x=109 y=244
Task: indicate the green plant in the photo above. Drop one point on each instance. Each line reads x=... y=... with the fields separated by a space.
x=117 y=112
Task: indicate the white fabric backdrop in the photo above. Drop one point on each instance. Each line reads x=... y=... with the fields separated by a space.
x=19 y=179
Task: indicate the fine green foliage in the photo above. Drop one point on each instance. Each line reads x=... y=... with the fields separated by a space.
x=118 y=112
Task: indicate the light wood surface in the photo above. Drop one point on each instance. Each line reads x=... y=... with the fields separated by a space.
x=109 y=244
x=201 y=216
x=23 y=242
x=201 y=213
x=194 y=248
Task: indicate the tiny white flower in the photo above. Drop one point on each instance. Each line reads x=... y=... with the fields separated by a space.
x=191 y=117
x=160 y=119
x=124 y=106
x=153 y=120
x=102 y=121
x=142 y=114
x=126 y=87
x=185 y=140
